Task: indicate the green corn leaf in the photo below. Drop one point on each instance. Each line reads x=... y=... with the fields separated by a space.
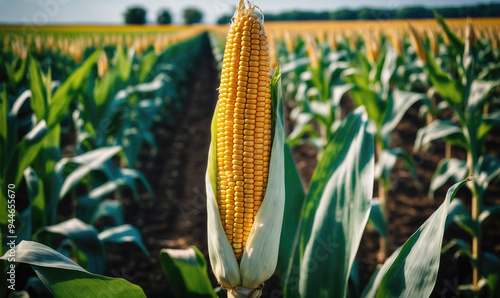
x=64 y=278
x=146 y=65
x=371 y=288
x=104 y=91
x=87 y=162
x=440 y=129
x=377 y=218
x=338 y=92
x=302 y=126
x=186 y=270
x=109 y=208
x=58 y=106
x=459 y=43
x=387 y=161
x=336 y=210
x=123 y=64
x=399 y=102
x=388 y=69
x=16 y=71
x=479 y=92
x=89 y=203
x=492 y=119
x=26 y=151
x=84 y=236
x=122 y=234
x=362 y=95
x=411 y=271
x=489 y=169
x=38 y=93
x=488 y=212
x=453 y=169
x=36 y=196
x=458 y=213
x=294 y=202
x=459 y=244
x=450 y=89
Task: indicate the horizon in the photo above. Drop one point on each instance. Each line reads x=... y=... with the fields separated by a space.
x=71 y=12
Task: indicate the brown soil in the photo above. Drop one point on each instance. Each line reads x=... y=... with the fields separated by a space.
x=177 y=219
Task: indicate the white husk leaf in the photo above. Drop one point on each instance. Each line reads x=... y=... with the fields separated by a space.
x=240 y=292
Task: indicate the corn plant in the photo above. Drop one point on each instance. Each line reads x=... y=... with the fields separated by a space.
x=469 y=98
x=318 y=96
x=370 y=82
x=64 y=278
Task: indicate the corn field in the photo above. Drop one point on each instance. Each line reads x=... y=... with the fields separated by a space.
x=302 y=159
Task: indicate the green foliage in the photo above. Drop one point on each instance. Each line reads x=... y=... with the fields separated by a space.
x=366 y=13
x=192 y=16
x=64 y=278
x=411 y=271
x=225 y=19
x=186 y=270
x=341 y=185
x=131 y=97
x=164 y=17
x=135 y=16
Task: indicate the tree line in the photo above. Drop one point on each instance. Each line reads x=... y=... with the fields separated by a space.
x=137 y=16
x=417 y=12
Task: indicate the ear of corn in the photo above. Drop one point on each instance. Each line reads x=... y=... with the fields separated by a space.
x=245 y=175
x=243 y=128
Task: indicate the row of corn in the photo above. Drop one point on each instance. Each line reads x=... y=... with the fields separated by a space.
x=74 y=44
x=76 y=127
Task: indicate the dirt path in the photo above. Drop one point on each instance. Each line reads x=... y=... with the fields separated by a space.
x=177 y=219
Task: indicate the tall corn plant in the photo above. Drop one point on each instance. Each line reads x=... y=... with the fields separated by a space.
x=370 y=79
x=34 y=166
x=42 y=142
x=469 y=98
x=325 y=226
x=319 y=92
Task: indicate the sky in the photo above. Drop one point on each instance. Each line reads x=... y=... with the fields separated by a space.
x=40 y=12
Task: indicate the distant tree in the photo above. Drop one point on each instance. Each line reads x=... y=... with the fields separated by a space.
x=135 y=15
x=492 y=11
x=164 y=17
x=192 y=15
x=344 y=14
x=414 y=13
x=366 y=14
x=448 y=12
x=225 y=19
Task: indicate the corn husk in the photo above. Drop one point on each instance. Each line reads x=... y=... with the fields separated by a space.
x=260 y=256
